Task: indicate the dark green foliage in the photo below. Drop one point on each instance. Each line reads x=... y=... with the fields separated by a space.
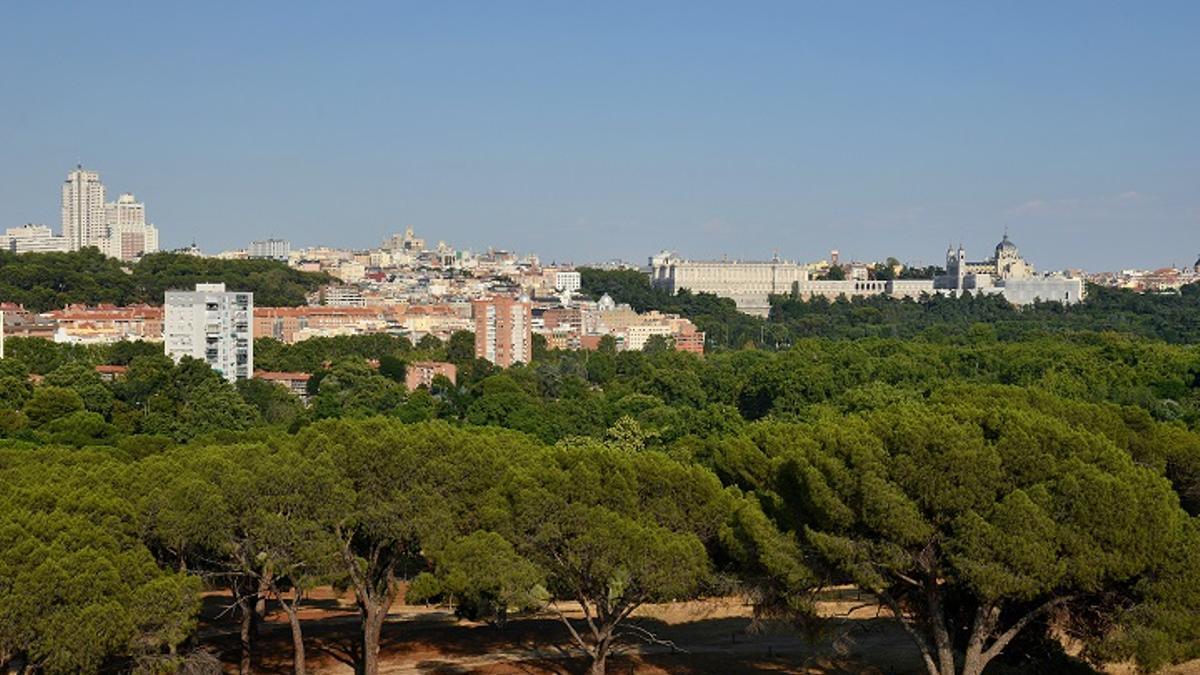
x=45 y=281
x=309 y=356
x=77 y=586
x=978 y=509
x=461 y=347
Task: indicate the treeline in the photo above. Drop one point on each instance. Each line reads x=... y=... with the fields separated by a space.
x=1171 y=317
x=562 y=393
x=47 y=281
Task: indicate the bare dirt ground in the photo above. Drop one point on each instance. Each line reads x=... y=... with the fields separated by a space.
x=710 y=637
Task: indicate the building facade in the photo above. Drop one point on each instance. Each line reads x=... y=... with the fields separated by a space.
x=568 y=281
x=1006 y=273
x=33 y=239
x=421 y=373
x=213 y=325
x=270 y=249
x=749 y=284
x=84 y=210
x=119 y=229
x=503 y=330
x=127 y=235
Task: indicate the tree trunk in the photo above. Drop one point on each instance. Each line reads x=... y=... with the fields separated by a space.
x=247 y=629
x=260 y=604
x=942 y=642
x=297 y=640
x=372 y=627
x=981 y=629
x=600 y=651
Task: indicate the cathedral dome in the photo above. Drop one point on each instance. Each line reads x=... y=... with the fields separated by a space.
x=1006 y=247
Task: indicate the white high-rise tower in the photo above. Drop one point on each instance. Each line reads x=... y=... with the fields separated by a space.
x=83 y=209
x=129 y=237
x=212 y=325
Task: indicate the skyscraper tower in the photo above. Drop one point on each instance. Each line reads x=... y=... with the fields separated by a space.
x=83 y=209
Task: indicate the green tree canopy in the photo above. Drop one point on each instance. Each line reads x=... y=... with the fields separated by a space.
x=972 y=524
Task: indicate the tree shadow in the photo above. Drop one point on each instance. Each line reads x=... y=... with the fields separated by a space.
x=541 y=645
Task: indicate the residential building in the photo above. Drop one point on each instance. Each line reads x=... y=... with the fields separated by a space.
x=127 y=235
x=127 y=210
x=689 y=339
x=503 y=330
x=33 y=239
x=20 y=322
x=111 y=373
x=107 y=324
x=84 y=211
x=421 y=373
x=296 y=383
x=130 y=242
x=342 y=296
x=270 y=249
x=570 y=282
x=213 y=325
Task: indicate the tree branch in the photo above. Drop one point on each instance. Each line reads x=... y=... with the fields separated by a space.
x=1007 y=636
x=922 y=644
x=574 y=634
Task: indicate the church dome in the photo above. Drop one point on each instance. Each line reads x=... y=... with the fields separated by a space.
x=1006 y=247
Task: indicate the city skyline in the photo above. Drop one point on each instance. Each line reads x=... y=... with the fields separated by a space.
x=259 y=248
x=794 y=128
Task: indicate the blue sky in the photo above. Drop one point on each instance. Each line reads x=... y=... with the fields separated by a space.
x=588 y=130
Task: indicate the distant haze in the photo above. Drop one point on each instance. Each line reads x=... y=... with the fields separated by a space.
x=587 y=131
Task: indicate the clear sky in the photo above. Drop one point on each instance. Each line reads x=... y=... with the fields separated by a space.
x=589 y=130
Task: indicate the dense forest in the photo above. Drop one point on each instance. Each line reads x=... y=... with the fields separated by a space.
x=1172 y=317
x=47 y=281
x=976 y=486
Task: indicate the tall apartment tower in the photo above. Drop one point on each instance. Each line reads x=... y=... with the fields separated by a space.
x=129 y=237
x=83 y=209
x=212 y=325
x=127 y=210
x=503 y=330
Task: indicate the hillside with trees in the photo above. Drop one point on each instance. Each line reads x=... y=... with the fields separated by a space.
x=47 y=281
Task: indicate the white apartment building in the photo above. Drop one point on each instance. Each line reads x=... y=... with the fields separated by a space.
x=212 y=325
x=567 y=281
x=270 y=249
x=637 y=335
x=342 y=296
x=127 y=210
x=129 y=237
x=84 y=212
x=33 y=239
